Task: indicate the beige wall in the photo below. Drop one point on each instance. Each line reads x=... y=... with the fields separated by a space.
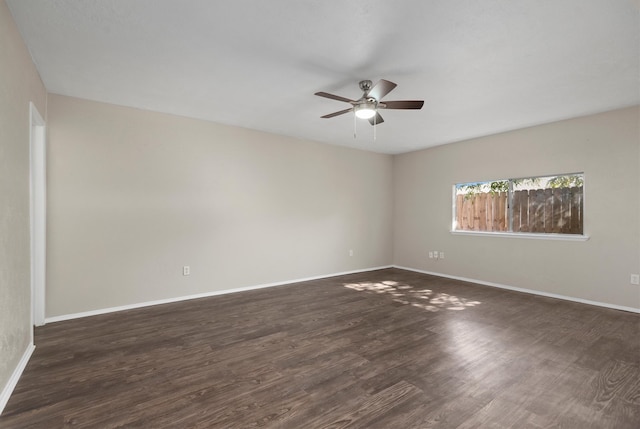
x=135 y=195
x=605 y=147
x=19 y=84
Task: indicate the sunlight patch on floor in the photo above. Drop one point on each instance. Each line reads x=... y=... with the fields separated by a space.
x=406 y=294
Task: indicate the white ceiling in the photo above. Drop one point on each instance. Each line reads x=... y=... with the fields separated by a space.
x=482 y=67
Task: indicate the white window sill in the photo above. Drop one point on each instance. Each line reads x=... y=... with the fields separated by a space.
x=536 y=236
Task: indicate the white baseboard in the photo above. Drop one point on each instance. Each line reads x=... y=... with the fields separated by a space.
x=530 y=291
x=266 y=285
x=13 y=380
x=200 y=295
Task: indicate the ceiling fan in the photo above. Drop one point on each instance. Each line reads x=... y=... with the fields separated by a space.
x=368 y=105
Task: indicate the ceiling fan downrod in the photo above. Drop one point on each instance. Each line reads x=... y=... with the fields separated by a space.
x=365 y=86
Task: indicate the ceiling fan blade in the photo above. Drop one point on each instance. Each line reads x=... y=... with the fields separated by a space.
x=380 y=89
x=403 y=104
x=341 y=112
x=375 y=120
x=334 y=97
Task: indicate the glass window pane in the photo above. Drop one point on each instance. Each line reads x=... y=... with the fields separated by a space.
x=551 y=204
x=482 y=206
x=546 y=204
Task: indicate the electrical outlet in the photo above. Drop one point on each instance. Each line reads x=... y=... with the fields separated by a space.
x=635 y=279
x=186 y=270
x=441 y=255
x=430 y=255
x=350 y=252
x=435 y=254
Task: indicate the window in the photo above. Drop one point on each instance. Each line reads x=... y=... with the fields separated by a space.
x=547 y=205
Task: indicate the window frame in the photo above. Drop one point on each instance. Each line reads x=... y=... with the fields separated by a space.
x=527 y=235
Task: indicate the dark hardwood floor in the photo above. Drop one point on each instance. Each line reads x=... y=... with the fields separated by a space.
x=384 y=349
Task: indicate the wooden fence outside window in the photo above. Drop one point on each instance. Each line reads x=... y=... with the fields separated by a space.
x=553 y=211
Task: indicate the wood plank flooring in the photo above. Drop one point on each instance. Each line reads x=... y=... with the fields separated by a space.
x=383 y=349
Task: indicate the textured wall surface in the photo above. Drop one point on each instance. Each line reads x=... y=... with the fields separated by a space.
x=19 y=84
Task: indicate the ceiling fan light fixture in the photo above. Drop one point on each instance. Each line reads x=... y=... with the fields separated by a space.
x=365 y=110
x=367 y=106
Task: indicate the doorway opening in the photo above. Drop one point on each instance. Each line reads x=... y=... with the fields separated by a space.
x=38 y=211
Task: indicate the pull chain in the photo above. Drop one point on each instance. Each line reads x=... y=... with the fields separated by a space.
x=374 y=126
x=354 y=126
